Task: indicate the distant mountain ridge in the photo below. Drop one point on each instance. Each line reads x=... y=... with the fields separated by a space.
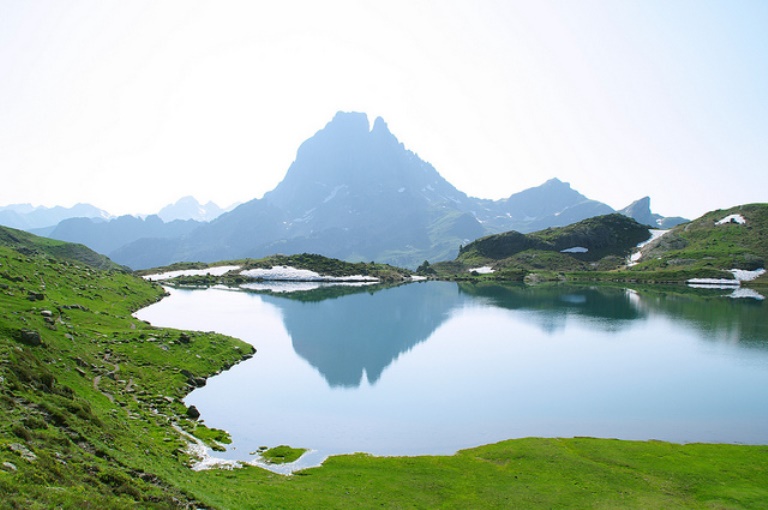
x=354 y=192
x=42 y=220
x=27 y=216
x=107 y=236
x=188 y=208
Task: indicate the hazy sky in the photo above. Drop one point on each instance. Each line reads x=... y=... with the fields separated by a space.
x=130 y=105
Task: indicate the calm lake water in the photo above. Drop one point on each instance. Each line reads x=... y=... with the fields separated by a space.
x=434 y=367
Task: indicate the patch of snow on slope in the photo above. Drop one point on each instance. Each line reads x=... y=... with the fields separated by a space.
x=732 y=218
x=481 y=270
x=747 y=276
x=288 y=273
x=575 y=249
x=213 y=271
x=739 y=275
x=636 y=256
x=333 y=193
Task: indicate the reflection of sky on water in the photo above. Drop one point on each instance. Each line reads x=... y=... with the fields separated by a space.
x=434 y=367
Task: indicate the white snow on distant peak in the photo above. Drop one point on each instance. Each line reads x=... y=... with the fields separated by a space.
x=732 y=218
x=288 y=273
x=482 y=270
x=575 y=249
x=213 y=271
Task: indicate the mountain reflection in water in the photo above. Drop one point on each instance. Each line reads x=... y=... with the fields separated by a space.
x=428 y=368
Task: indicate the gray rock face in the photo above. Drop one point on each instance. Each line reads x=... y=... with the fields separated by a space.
x=30 y=337
x=640 y=211
x=23 y=451
x=354 y=192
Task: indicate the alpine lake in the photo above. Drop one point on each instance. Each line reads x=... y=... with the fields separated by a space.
x=433 y=367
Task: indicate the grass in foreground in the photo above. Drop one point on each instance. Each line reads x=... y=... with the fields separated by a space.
x=522 y=473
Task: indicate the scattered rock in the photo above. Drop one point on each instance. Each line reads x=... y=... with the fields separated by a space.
x=198 y=382
x=22 y=450
x=46 y=313
x=30 y=337
x=193 y=413
x=75 y=307
x=184 y=338
x=9 y=466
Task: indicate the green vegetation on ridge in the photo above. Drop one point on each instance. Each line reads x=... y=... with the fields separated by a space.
x=599 y=243
x=705 y=243
x=703 y=248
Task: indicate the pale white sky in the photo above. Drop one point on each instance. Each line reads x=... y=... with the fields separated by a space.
x=130 y=105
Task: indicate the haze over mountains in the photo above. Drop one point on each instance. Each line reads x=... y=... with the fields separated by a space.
x=353 y=193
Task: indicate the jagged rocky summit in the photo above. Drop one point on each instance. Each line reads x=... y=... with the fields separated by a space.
x=354 y=192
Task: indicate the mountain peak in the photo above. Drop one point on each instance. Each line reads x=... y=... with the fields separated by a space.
x=188 y=208
x=349 y=122
x=640 y=210
x=556 y=182
x=379 y=125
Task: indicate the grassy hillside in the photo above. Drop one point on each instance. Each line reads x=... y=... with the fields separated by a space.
x=600 y=243
x=89 y=397
x=706 y=244
x=704 y=248
x=88 y=393
x=30 y=244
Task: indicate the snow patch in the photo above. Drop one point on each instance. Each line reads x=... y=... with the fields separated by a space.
x=747 y=276
x=636 y=256
x=288 y=273
x=732 y=218
x=482 y=270
x=575 y=249
x=333 y=193
x=213 y=271
x=739 y=275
